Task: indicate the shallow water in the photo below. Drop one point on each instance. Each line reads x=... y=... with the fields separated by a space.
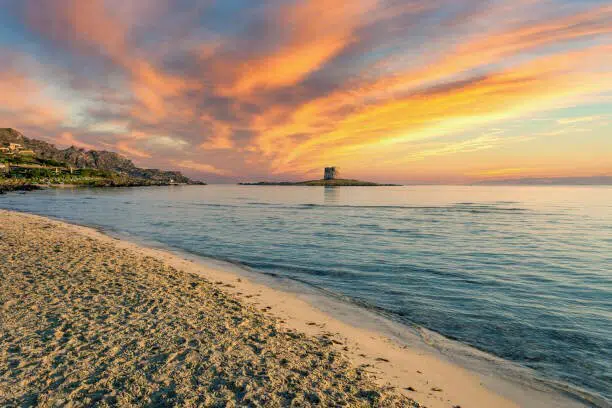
x=524 y=273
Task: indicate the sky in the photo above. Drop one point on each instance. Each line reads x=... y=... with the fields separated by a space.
x=401 y=91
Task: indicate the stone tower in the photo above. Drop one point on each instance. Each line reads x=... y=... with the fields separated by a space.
x=330 y=173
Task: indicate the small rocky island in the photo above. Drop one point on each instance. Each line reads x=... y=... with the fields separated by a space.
x=329 y=179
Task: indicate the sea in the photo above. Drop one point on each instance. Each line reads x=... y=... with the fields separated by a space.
x=521 y=273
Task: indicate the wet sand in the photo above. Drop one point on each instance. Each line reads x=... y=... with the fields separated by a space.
x=88 y=318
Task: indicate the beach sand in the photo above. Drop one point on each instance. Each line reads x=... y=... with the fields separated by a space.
x=88 y=318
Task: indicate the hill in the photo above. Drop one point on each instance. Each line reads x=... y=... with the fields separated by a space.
x=36 y=162
x=90 y=159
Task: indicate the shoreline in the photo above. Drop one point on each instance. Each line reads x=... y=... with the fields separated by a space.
x=392 y=352
x=91 y=320
x=473 y=369
x=26 y=184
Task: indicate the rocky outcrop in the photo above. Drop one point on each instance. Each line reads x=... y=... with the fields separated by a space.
x=93 y=159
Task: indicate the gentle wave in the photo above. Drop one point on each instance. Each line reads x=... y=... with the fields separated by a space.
x=523 y=272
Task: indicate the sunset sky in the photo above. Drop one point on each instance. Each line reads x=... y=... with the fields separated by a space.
x=388 y=90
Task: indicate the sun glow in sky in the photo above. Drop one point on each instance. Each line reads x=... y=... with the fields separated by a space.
x=388 y=90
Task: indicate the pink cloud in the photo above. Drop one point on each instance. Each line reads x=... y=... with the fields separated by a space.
x=308 y=82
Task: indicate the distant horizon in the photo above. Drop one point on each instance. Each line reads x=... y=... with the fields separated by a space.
x=523 y=181
x=593 y=180
x=434 y=92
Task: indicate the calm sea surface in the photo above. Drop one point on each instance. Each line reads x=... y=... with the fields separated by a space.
x=524 y=273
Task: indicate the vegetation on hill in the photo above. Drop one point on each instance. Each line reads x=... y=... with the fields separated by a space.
x=19 y=169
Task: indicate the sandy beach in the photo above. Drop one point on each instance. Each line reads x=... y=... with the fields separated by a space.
x=87 y=318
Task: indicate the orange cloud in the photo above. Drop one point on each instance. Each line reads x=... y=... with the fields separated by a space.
x=289 y=102
x=67 y=139
x=84 y=24
x=497 y=47
x=377 y=122
x=317 y=30
x=201 y=167
x=125 y=147
x=220 y=135
x=92 y=26
x=533 y=86
x=493 y=173
x=152 y=88
x=25 y=103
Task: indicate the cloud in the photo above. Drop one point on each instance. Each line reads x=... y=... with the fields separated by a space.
x=125 y=147
x=199 y=167
x=67 y=139
x=582 y=119
x=92 y=28
x=510 y=93
x=501 y=172
x=25 y=101
x=286 y=87
x=313 y=32
x=166 y=142
x=221 y=135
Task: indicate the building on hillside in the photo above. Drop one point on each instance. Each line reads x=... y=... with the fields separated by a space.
x=330 y=173
x=14 y=147
x=4 y=150
x=27 y=152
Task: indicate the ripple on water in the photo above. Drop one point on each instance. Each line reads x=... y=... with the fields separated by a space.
x=523 y=272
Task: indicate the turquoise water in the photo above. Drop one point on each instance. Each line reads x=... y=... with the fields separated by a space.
x=524 y=273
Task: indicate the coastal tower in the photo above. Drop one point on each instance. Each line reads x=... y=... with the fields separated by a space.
x=330 y=173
